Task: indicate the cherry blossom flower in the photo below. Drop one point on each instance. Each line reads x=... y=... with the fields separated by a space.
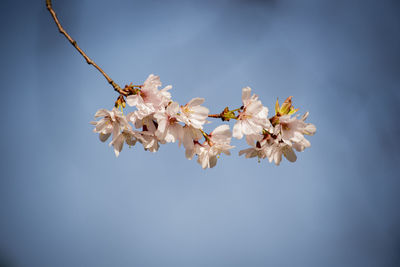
x=257 y=148
x=168 y=129
x=205 y=158
x=149 y=139
x=148 y=123
x=127 y=136
x=218 y=141
x=253 y=118
x=270 y=148
x=149 y=126
x=275 y=150
x=149 y=99
x=149 y=142
x=190 y=138
x=293 y=130
x=193 y=114
x=112 y=123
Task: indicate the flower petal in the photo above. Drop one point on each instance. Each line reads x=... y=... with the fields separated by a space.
x=246 y=92
x=195 y=102
x=289 y=154
x=237 y=130
x=103 y=137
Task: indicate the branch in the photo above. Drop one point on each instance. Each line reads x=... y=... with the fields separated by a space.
x=88 y=60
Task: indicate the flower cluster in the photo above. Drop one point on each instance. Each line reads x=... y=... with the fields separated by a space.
x=278 y=135
x=159 y=120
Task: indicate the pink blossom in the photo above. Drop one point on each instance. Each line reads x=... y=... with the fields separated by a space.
x=112 y=123
x=149 y=99
x=168 y=129
x=193 y=114
x=253 y=118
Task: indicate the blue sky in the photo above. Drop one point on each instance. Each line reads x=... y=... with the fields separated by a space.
x=65 y=200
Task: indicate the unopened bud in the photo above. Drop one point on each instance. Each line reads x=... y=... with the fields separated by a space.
x=227 y=114
x=286 y=107
x=277 y=106
x=120 y=102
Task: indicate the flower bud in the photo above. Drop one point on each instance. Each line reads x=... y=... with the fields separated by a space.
x=286 y=107
x=120 y=102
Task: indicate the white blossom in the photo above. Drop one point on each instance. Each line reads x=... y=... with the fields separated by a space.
x=220 y=139
x=253 y=118
x=257 y=147
x=190 y=138
x=148 y=123
x=149 y=126
x=274 y=151
x=193 y=114
x=149 y=99
x=149 y=142
x=112 y=123
x=204 y=156
x=293 y=130
x=126 y=136
x=168 y=129
x=270 y=148
x=218 y=142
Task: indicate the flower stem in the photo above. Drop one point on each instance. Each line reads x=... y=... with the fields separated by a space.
x=207 y=137
x=214 y=116
x=74 y=44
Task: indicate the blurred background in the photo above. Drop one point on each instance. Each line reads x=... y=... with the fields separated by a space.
x=66 y=200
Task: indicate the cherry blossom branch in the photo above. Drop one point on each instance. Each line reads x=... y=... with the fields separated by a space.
x=160 y=120
x=88 y=59
x=226 y=114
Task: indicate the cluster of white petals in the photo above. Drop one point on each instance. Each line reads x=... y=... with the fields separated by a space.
x=217 y=142
x=253 y=118
x=159 y=120
x=283 y=138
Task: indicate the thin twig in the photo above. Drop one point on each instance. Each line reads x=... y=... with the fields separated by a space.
x=88 y=60
x=214 y=115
